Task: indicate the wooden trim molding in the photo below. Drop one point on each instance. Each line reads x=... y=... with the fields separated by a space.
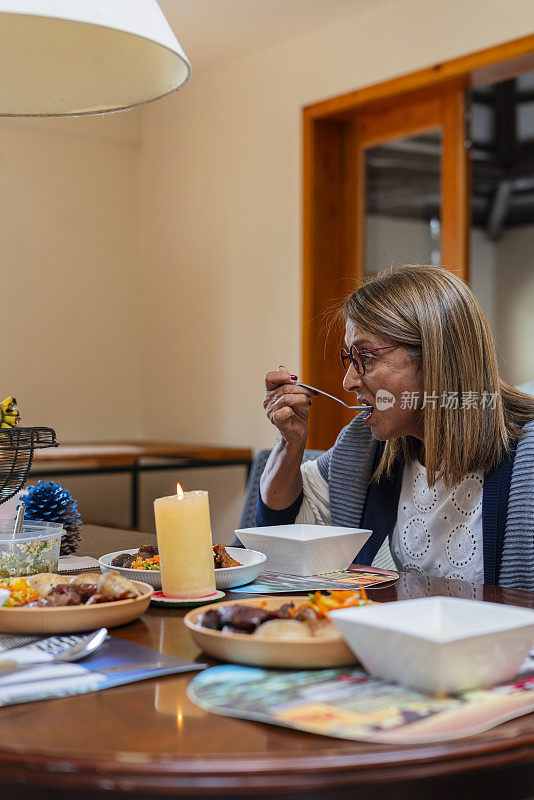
x=455 y=187
x=485 y=66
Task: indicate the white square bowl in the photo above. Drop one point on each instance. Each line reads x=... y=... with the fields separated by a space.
x=305 y=549
x=439 y=644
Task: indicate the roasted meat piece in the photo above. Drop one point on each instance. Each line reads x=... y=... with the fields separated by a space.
x=246 y=618
x=85 y=590
x=305 y=614
x=210 y=619
x=148 y=551
x=126 y=559
x=284 y=612
x=61 y=595
x=231 y=629
x=99 y=598
x=222 y=559
x=119 y=560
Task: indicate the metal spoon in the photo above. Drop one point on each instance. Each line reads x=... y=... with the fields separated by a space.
x=19 y=520
x=331 y=396
x=80 y=650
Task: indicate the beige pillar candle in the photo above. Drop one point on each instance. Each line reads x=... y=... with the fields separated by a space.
x=183 y=531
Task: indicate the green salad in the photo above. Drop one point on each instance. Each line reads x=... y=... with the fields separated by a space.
x=29 y=558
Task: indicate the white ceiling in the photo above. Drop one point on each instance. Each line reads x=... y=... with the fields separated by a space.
x=212 y=31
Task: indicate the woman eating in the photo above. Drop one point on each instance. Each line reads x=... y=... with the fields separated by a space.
x=441 y=465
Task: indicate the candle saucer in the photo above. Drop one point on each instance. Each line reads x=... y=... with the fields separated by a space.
x=159 y=599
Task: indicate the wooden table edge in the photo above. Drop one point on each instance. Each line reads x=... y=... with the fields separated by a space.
x=142 y=773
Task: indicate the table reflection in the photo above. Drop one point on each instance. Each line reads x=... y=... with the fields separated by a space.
x=411 y=585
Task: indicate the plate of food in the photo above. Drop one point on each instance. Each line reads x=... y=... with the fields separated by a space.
x=234 y=566
x=49 y=603
x=290 y=631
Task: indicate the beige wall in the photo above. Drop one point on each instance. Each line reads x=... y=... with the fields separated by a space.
x=68 y=276
x=68 y=207
x=150 y=275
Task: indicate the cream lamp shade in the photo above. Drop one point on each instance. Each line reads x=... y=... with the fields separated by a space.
x=70 y=57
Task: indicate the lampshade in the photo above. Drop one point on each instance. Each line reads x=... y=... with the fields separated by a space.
x=70 y=57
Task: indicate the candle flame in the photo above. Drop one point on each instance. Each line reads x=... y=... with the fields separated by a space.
x=179 y=491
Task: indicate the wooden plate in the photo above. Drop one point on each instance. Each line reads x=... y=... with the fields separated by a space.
x=262 y=651
x=68 y=619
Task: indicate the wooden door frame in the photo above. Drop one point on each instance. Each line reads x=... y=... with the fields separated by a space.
x=333 y=192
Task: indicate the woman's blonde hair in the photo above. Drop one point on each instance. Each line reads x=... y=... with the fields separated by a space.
x=438 y=319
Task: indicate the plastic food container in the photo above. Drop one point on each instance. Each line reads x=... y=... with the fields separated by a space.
x=35 y=550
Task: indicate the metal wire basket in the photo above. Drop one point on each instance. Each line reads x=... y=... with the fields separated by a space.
x=16 y=456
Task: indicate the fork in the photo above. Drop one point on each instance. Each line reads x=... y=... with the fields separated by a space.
x=331 y=396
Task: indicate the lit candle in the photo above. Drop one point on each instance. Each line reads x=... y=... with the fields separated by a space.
x=183 y=530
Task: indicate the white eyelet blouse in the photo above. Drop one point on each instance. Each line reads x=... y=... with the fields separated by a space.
x=438 y=530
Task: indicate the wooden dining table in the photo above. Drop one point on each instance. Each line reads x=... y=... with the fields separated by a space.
x=148 y=740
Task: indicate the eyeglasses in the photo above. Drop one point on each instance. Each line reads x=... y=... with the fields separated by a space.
x=358 y=357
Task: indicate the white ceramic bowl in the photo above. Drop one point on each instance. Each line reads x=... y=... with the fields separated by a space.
x=305 y=549
x=225 y=578
x=152 y=577
x=252 y=564
x=439 y=644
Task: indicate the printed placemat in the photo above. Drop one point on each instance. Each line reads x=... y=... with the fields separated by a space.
x=352 y=578
x=348 y=704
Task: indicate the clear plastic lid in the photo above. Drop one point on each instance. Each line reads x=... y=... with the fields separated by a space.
x=32 y=531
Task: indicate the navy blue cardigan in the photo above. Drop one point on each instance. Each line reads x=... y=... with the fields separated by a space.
x=380 y=513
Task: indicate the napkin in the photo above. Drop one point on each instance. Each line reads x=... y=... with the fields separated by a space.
x=44 y=680
x=73 y=563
